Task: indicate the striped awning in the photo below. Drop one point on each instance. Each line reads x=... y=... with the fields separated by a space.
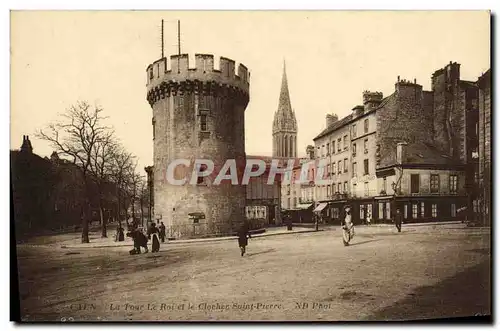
x=320 y=207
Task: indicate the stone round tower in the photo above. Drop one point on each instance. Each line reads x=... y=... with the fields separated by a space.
x=198 y=113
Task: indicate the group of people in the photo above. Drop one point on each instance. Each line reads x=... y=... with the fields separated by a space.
x=158 y=234
x=154 y=233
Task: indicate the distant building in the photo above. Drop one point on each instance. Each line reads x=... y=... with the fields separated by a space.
x=263 y=199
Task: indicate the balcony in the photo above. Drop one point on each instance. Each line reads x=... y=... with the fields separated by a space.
x=360 y=194
x=306 y=200
x=338 y=196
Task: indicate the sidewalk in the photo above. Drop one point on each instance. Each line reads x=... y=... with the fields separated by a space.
x=97 y=242
x=419 y=224
x=109 y=242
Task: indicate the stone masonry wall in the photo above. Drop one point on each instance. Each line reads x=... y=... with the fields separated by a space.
x=405 y=117
x=178 y=97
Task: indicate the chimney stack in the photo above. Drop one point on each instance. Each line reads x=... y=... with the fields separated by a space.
x=331 y=119
x=310 y=151
x=372 y=100
x=400 y=152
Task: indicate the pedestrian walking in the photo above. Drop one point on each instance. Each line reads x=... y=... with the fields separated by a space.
x=243 y=235
x=154 y=235
x=163 y=234
x=347 y=227
x=368 y=218
x=398 y=220
x=120 y=235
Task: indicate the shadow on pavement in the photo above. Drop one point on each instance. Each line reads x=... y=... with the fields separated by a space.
x=467 y=293
x=262 y=252
x=363 y=242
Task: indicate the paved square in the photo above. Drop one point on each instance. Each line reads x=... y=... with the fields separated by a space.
x=423 y=272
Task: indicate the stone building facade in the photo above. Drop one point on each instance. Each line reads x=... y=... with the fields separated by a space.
x=198 y=113
x=484 y=141
x=263 y=198
x=437 y=130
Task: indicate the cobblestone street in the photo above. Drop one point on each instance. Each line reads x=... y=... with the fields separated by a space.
x=423 y=272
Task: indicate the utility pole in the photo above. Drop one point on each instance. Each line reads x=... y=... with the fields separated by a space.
x=162 y=41
x=179 y=45
x=179 y=35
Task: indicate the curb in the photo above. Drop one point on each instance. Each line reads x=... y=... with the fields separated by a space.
x=196 y=241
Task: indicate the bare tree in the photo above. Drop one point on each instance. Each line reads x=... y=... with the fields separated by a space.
x=133 y=179
x=78 y=136
x=121 y=165
x=101 y=167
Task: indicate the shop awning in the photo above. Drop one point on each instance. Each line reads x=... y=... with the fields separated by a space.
x=320 y=207
x=302 y=206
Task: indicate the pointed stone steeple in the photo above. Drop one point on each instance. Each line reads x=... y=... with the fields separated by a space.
x=284 y=124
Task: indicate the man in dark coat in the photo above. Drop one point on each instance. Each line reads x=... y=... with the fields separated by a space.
x=398 y=220
x=163 y=234
x=243 y=235
x=140 y=240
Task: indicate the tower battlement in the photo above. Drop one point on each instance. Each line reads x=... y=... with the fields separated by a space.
x=204 y=70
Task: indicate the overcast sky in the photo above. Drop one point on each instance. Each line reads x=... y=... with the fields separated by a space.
x=331 y=57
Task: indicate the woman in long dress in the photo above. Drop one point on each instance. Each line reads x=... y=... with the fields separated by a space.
x=347 y=227
x=154 y=234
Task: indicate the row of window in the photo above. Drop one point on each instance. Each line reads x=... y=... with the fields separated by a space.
x=384 y=211
x=343 y=188
x=328 y=151
x=434 y=183
x=365 y=128
x=336 y=168
x=344 y=146
x=323 y=152
x=365 y=149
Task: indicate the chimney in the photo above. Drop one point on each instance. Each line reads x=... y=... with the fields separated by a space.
x=372 y=100
x=400 y=153
x=310 y=151
x=358 y=111
x=331 y=119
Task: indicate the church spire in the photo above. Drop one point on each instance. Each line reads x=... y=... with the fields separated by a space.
x=284 y=124
x=284 y=105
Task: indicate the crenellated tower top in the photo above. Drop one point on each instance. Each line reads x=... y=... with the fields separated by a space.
x=229 y=79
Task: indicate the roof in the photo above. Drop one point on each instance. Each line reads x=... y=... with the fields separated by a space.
x=467 y=84
x=346 y=120
x=340 y=123
x=416 y=153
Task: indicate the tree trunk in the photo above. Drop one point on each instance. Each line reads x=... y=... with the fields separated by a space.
x=103 y=222
x=86 y=210
x=142 y=212
x=118 y=216
x=133 y=211
x=85 y=223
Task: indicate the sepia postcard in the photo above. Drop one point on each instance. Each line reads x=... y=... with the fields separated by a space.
x=284 y=166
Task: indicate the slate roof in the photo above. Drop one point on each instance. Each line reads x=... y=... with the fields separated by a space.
x=340 y=123
x=417 y=153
